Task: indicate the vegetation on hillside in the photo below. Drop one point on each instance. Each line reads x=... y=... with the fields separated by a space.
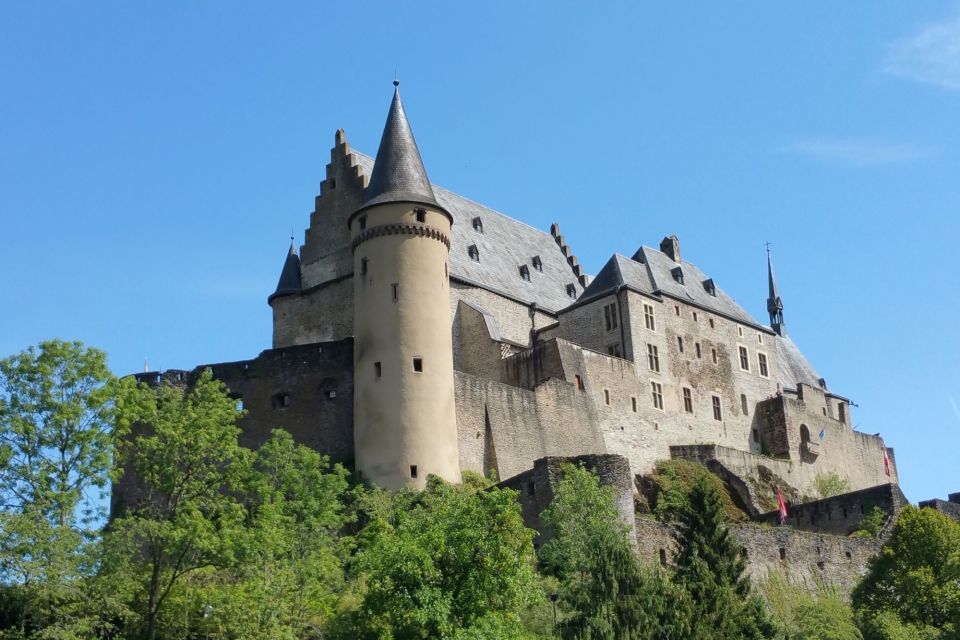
x=278 y=543
x=668 y=487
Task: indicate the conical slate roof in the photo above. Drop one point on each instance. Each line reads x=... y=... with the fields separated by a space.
x=289 y=282
x=398 y=172
x=774 y=303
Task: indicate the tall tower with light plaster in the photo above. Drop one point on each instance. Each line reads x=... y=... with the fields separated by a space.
x=404 y=415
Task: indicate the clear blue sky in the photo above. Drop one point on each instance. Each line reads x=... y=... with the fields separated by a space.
x=153 y=160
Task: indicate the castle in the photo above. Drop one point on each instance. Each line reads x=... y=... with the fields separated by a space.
x=417 y=332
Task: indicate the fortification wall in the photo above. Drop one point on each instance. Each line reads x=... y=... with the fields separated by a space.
x=322 y=314
x=515 y=320
x=805 y=558
x=842 y=514
x=504 y=428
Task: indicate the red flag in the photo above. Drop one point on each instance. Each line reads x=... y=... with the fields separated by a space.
x=886 y=462
x=782 y=505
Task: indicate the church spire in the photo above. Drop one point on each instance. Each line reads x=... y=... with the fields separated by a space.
x=289 y=282
x=774 y=303
x=398 y=173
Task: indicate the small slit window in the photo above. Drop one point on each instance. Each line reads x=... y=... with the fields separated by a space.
x=743 y=403
x=478 y=224
x=713 y=354
x=378 y=369
x=696 y=346
x=418 y=365
x=395 y=291
x=363 y=266
x=524 y=273
x=537 y=263
x=473 y=252
x=633 y=403
x=363 y=222
x=606 y=397
x=280 y=400
x=579 y=381
x=413 y=471
x=421 y=215
x=680 y=343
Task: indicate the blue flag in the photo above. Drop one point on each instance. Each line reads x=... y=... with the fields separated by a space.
x=823 y=432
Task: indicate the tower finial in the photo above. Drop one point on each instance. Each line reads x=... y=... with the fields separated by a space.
x=774 y=303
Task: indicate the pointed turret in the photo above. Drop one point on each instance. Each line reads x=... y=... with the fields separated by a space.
x=774 y=303
x=289 y=282
x=398 y=172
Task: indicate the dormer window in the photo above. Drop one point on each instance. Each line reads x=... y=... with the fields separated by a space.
x=421 y=215
x=474 y=252
x=709 y=287
x=537 y=263
x=525 y=272
x=478 y=224
x=677 y=274
x=572 y=291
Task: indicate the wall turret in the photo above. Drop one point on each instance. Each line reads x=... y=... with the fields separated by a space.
x=404 y=415
x=289 y=283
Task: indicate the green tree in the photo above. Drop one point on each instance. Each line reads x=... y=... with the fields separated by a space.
x=710 y=567
x=913 y=585
x=450 y=562
x=872 y=524
x=802 y=613
x=186 y=459
x=287 y=575
x=57 y=436
x=604 y=590
x=831 y=484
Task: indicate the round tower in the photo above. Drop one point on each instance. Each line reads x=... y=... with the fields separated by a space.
x=404 y=416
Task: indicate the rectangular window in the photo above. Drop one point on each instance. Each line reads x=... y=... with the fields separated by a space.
x=633 y=403
x=743 y=404
x=579 y=383
x=697 y=348
x=657 y=391
x=762 y=362
x=694 y=316
x=717 y=412
x=606 y=397
x=421 y=215
x=363 y=222
x=648 y=319
x=759 y=338
x=713 y=354
x=610 y=316
x=653 y=357
x=680 y=343
x=614 y=350
x=711 y=323
x=363 y=266
x=841 y=410
x=744 y=359
x=378 y=369
x=676 y=309
x=687 y=400
x=413 y=471
x=395 y=291
x=418 y=365
x=740 y=331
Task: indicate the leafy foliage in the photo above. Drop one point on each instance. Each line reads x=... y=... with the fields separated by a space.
x=913 y=585
x=447 y=562
x=872 y=524
x=804 y=614
x=831 y=484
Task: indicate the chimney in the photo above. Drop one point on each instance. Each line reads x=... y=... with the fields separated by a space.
x=671 y=246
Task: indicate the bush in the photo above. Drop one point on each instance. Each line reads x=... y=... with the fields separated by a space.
x=831 y=484
x=671 y=483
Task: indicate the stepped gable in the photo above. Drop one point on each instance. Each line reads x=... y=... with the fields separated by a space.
x=504 y=245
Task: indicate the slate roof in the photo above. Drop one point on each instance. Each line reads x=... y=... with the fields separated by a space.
x=651 y=271
x=290 y=275
x=398 y=174
x=504 y=245
x=794 y=367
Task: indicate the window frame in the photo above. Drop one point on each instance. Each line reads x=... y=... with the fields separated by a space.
x=656 y=392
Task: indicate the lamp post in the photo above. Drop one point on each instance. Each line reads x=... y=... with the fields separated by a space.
x=553 y=599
